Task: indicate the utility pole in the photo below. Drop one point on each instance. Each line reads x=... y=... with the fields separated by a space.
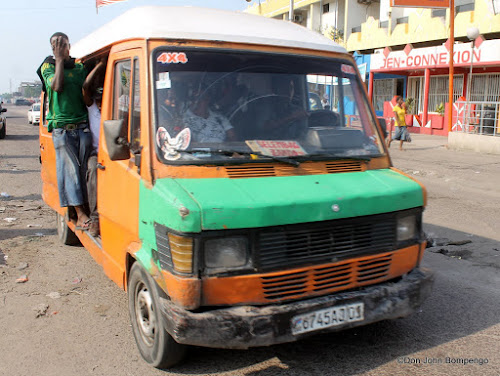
x=290 y=13
x=450 y=83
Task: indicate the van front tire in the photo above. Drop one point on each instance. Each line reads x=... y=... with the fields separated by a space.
x=156 y=346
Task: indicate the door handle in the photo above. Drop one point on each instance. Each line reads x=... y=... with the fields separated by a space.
x=100 y=166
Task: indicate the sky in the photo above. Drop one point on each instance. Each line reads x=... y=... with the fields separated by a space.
x=28 y=24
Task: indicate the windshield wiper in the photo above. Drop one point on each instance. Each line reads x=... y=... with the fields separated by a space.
x=286 y=160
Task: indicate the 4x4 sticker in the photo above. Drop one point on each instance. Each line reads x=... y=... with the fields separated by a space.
x=172 y=58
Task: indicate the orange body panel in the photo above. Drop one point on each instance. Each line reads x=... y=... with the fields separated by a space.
x=118 y=182
x=249 y=289
x=183 y=291
x=48 y=169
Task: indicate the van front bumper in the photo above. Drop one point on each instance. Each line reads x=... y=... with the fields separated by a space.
x=250 y=326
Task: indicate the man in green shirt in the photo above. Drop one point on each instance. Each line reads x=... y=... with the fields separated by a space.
x=67 y=117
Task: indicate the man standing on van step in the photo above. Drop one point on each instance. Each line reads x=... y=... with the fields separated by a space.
x=92 y=96
x=67 y=117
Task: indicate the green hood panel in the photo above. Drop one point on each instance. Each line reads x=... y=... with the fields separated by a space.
x=223 y=203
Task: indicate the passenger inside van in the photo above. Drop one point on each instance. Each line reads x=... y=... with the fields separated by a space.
x=205 y=123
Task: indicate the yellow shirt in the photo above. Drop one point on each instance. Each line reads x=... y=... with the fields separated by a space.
x=400 y=116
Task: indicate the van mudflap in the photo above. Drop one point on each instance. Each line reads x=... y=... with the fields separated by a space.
x=251 y=326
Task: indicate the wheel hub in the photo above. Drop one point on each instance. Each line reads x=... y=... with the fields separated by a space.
x=145 y=314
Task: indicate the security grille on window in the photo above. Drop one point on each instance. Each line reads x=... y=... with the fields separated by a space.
x=485 y=88
x=439 y=89
x=415 y=85
x=383 y=91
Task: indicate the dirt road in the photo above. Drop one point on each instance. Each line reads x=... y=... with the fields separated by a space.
x=60 y=315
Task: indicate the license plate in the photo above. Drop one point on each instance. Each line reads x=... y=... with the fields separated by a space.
x=328 y=317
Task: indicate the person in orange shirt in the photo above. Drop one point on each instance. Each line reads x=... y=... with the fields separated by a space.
x=399 y=115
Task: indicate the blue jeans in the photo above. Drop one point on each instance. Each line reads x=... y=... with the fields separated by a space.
x=73 y=148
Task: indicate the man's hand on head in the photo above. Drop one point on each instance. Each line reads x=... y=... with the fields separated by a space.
x=60 y=47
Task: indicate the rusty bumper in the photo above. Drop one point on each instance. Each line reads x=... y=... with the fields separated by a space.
x=250 y=326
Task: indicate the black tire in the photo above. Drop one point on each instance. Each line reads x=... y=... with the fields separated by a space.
x=3 y=131
x=156 y=346
x=64 y=233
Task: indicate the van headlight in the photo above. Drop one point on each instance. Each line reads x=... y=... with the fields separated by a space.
x=407 y=228
x=229 y=252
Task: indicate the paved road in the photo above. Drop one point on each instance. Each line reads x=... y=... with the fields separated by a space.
x=85 y=328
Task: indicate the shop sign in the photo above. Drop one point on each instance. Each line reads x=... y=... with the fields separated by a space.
x=436 y=57
x=421 y=3
x=430 y=59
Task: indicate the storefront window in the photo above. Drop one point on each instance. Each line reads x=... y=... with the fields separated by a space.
x=485 y=88
x=438 y=91
x=383 y=91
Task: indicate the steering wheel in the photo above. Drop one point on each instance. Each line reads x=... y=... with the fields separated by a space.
x=263 y=107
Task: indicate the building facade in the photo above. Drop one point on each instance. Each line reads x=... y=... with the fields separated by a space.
x=408 y=55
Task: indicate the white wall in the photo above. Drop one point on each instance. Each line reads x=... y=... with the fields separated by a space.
x=331 y=18
x=358 y=14
x=314 y=17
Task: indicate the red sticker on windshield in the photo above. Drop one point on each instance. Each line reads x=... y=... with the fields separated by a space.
x=347 y=69
x=172 y=58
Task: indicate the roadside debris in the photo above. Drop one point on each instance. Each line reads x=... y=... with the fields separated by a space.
x=54 y=295
x=30 y=225
x=22 y=266
x=441 y=242
x=2 y=209
x=76 y=280
x=4 y=195
x=3 y=259
x=22 y=279
x=10 y=219
x=41 y=310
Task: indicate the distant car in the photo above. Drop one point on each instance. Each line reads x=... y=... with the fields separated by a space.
x=3 y=123
x=23 y=102
x=34 y=114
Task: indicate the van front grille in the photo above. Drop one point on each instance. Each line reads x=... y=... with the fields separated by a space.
x=325 y=242
x=324 y=280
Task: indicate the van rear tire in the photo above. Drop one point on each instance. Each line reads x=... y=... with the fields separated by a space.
x=64 y=233
x=156 y=346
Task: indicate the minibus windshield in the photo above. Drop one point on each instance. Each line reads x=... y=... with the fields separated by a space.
x=219 y=106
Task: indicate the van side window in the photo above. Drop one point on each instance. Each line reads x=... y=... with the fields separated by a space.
x=135 y=121
x=121 y=92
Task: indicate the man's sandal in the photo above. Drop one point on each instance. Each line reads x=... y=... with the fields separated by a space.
x=85 y=226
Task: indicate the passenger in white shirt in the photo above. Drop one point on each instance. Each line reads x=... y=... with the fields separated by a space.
x=205 y=124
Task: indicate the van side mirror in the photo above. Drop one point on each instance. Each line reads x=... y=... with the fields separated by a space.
x=383 y=125
x=115 y=136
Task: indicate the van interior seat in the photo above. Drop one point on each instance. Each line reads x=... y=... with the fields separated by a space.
x=324 y=118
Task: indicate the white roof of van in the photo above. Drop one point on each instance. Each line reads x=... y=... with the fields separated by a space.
x=201 y=24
